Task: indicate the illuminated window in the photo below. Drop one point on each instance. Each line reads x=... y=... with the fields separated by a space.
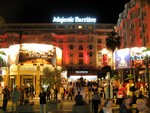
x=80 y=61
x=80 y=27
x=80 y=47
x=80 y=54
x=90 y=27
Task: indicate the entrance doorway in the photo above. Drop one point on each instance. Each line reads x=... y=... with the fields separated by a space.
x=12 y=82
x=27 y=80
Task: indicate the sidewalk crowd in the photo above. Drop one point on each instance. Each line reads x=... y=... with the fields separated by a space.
x=91 y=94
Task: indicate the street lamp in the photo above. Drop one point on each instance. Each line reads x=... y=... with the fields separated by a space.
x=146 y=58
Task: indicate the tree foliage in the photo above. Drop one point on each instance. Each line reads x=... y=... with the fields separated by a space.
x=51 y=77
x=113 y=41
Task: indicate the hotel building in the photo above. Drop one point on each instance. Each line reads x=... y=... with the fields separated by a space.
x=134 y=27
x=134 y=24
x=81 y=45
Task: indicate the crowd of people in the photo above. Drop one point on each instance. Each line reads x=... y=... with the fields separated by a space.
x=91 y=94
x=16 y=95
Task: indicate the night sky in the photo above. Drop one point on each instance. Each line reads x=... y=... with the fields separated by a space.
x=42 y=11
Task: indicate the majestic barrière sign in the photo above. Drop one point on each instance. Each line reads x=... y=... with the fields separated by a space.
x=74 y=19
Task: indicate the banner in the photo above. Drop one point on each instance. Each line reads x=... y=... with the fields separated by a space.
x=122 y=58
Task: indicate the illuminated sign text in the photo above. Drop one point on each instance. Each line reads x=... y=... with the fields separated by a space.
x=74 y=19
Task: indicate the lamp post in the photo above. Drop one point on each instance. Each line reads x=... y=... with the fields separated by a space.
x=146 y=55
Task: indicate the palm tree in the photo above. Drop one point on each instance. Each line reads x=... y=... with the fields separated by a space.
x=113 y=41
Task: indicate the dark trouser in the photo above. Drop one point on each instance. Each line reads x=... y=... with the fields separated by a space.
x=5 y=101
x=95 y=105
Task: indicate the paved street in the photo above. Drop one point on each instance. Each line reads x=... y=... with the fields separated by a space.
x=67 y=106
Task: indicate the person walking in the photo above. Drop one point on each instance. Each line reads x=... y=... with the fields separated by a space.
x=16 y=95
x=96 y=100
x=42 y=96
x=6 y=96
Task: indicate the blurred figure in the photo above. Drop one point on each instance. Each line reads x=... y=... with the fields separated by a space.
x=107 y=106
x=32 y=91
x=89 y=96
x=134 y=98
x=42 y=96
x=141 y=105
x=16 y=95
x=140 y=95
x=120 y=94
x=62 y=91
x=79 y=99
x=6 y=97
x=1 y=90
x=126 y=105
x=96 y=100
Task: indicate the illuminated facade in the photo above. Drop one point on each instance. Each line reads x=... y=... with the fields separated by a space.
x=81 y=43
x=134 y=24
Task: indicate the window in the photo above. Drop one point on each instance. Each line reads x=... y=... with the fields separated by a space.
x=80 y=27
x=90 y=39
x=71 y=27
x=80 y=54
x=61 y=26
x=71 y=39
x=99 y=40
x=61 y=47
x=90 y=46
x=80 y=61
x=0 y=39
x=71 y=55
x=71 y=46
x=90 y=54
x=60 y=40
x=71 y=62
x=90 y=27
x=99 y=54
x=80 y=47
x=80 y=40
